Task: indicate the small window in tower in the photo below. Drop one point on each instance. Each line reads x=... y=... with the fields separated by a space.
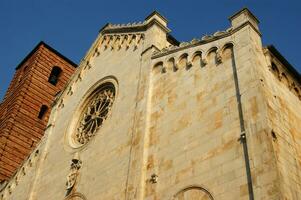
x=54 y=75
x=43 y=111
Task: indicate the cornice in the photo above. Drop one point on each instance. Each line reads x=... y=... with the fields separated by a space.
x=204 y=40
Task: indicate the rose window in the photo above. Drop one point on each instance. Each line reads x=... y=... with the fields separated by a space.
x=95 y=113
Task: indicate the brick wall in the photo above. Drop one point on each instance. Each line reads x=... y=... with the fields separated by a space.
x=20 y=127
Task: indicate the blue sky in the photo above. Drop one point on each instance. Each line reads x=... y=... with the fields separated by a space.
x=70 y=26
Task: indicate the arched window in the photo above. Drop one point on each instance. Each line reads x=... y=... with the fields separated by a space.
x=43 y=111
x=54 y=75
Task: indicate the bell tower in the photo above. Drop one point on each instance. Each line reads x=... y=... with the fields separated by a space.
x=26 y=106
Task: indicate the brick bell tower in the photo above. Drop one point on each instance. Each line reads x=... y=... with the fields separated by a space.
x=26 y=106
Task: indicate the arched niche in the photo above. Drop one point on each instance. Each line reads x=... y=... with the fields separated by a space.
x=182 y=62
x=171 y=65
x=158 y=68
x=197 y=59
x=193 y=193
x=227 y=51
x=212 y=56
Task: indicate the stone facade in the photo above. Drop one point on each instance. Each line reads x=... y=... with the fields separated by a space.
x=213 y=118
x=22 y=123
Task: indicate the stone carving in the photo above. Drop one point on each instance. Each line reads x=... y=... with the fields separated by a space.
x=95 y=114
x=73 y=175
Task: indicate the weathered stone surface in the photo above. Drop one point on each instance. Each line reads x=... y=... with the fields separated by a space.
x=174 y=127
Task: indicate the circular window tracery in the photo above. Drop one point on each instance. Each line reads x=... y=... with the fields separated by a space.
x=95 y=112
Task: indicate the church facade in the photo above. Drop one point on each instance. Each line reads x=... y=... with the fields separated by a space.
x=147 y=117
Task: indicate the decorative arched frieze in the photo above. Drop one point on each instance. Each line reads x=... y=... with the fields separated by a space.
x=295 y=90
x=285 y=80
x=193 y=192
x=275 y=71
x=183 y=62
x=96 y=52
x=129 y=42
x=123 y=39
x=79 y=77
x=20 y=173
x=171 y=65
x=227 y=45
x=61 y=104
x=118 y=42
x=87 y=65
x=227 y=51
x=197 y=59
x=70 y=91
x=212 y=56
x=159 y=68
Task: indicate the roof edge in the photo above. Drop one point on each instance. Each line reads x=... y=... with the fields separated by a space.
x=48 y=47
x=282 y=59
x=245 y=9
x=156 y=13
